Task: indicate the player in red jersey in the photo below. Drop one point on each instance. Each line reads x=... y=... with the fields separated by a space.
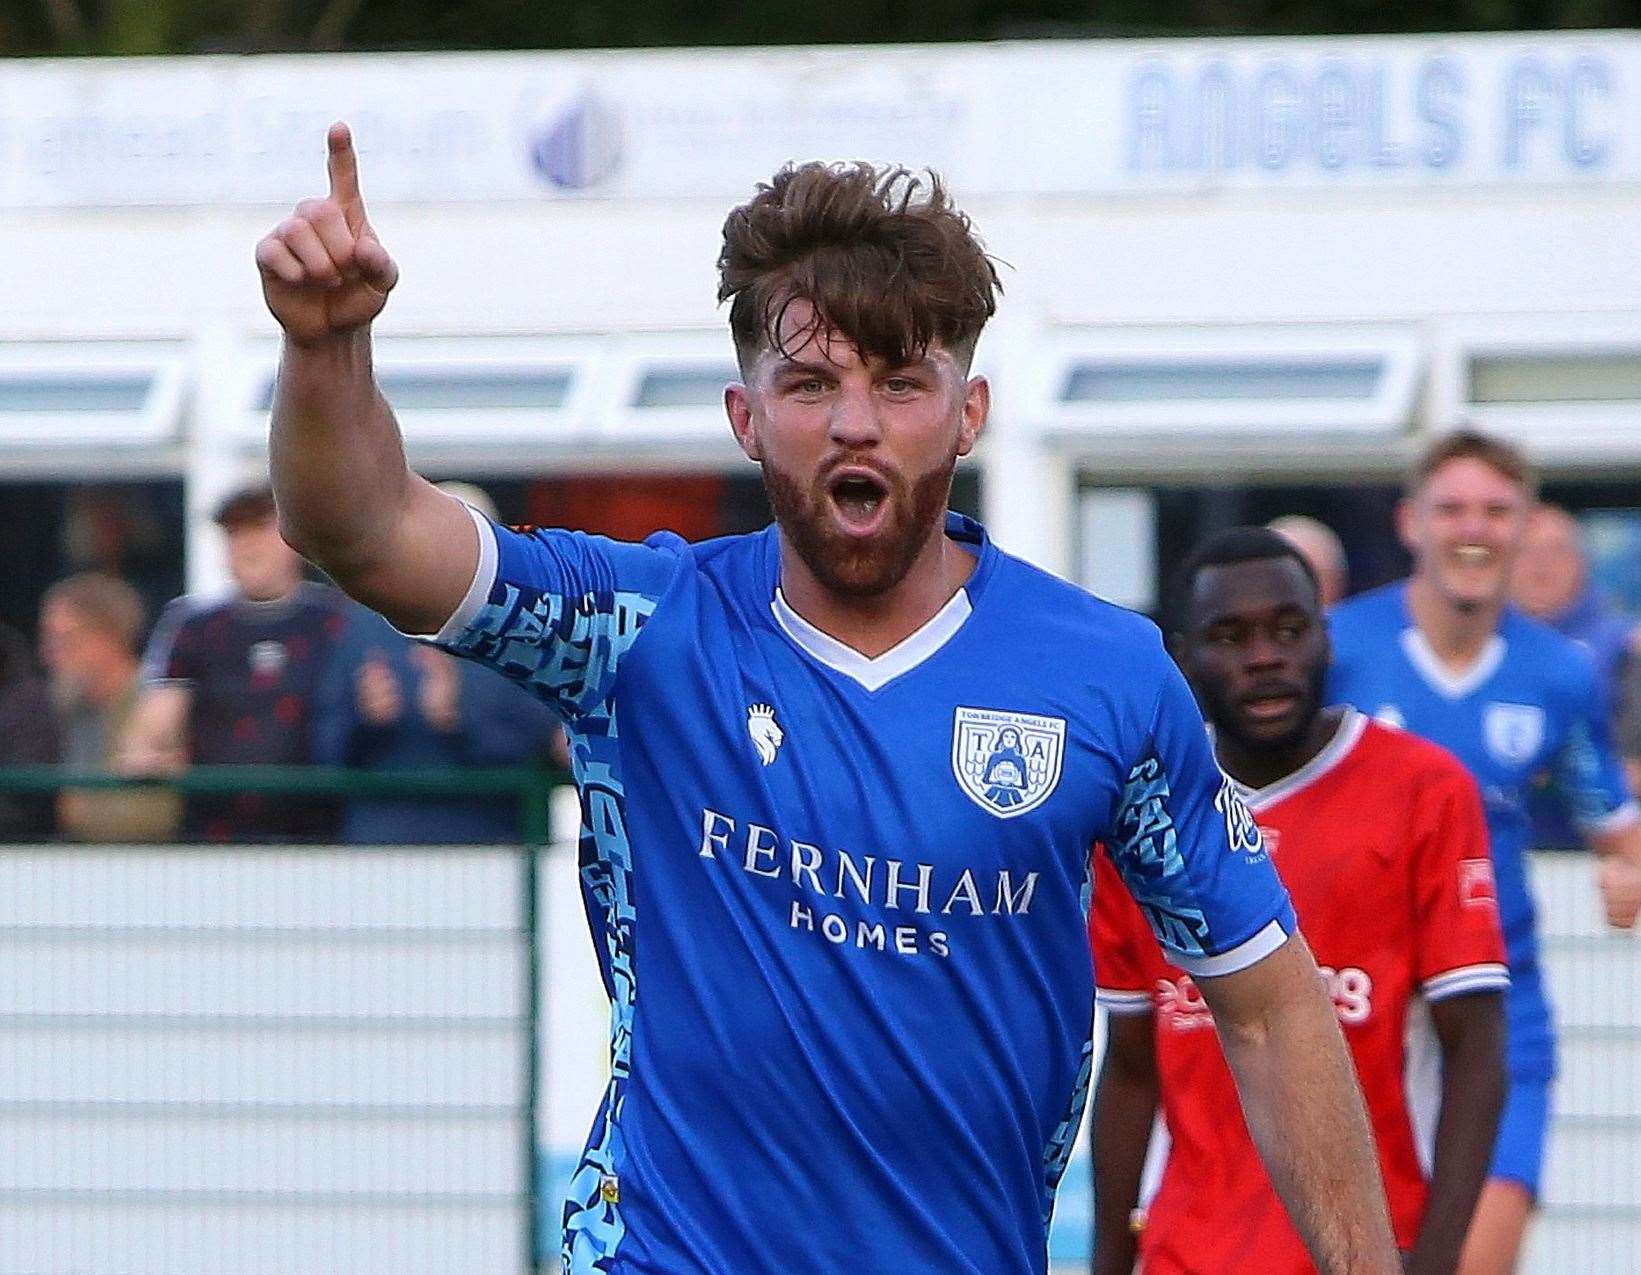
x=1381 y=841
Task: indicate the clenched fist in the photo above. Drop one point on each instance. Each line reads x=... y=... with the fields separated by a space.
x=324 y=271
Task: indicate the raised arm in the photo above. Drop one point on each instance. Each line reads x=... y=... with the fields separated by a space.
x=1304 y=1109
x=1125 y=1110
x=347 y=500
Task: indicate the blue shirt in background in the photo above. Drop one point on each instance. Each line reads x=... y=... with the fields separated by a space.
x=497 y=725
x=1606 y=634
x=1530 y=704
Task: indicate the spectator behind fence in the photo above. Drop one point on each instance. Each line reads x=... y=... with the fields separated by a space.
x=28 y=737
x=230 y=681
x=387 y=703
x=1320 y=546
x=1551 y=582
x=90 y=624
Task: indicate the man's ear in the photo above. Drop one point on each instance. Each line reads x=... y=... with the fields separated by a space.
x=738 y=407
x=1178 y=646
x=976 y=411
x=1406 y=516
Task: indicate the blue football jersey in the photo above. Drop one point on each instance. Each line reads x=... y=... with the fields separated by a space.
x=1529 y=704
x=840 y=903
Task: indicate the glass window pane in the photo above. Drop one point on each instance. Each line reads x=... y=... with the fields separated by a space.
x=474 y=389
x=684 y=386
x=1205 y=381
x=1570 y=378
x=74 y=392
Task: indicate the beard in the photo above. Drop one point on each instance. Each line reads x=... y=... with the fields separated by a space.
x=847 y=565
x=1228 y=723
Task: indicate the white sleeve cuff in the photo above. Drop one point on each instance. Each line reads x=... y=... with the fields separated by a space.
x=1249 y=952
x=1464 y=980
x=1123 y=1004
x=478 y=591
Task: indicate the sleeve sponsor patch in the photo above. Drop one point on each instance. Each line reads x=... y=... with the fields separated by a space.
x=1476 y=885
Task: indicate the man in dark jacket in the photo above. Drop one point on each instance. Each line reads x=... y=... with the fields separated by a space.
x=28 y=737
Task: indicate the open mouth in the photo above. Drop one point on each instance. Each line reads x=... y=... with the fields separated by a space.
x=1473 y=555
x=1271 y=706
x=859 y=498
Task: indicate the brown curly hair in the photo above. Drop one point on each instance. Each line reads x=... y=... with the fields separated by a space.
x=1471 y=444
x=880 y=254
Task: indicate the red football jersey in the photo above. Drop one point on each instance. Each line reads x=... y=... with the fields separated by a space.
x=1382 y=843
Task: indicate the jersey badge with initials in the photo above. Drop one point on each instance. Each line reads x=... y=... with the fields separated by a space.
x=1007 y=763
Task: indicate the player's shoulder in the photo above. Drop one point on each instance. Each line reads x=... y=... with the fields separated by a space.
x=193 y=608
x=1371 y=611
x=720 y=554
x=1536 y=650
x=1403 y=760
x=1041 y=598
x=179 y=626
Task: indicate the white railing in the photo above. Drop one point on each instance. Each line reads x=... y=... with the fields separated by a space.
x=263 y=1061
x=1591 y=1219
x=255 y=1061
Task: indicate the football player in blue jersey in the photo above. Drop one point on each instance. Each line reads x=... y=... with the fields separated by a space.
x=1444 y=655
x=839 y=779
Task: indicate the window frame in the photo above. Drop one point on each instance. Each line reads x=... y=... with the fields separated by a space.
x=1387 y=412
x=1571 y=431
x=156 y=422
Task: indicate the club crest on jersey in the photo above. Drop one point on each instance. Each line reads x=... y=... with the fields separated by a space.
x=1513 y=732
x=767 y=736
x=1007 y=763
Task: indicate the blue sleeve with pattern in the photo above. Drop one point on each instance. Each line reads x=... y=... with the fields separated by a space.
x=556 y=611
x=1189 y=851
x=1588 y=774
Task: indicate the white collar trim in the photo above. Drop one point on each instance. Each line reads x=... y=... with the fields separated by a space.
x=1344 y=739
x=1428 y=665
x=878 y=671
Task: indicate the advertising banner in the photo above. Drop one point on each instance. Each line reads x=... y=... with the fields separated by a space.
x=1045 y=117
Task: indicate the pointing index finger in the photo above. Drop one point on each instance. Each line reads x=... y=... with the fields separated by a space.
x=343 y=166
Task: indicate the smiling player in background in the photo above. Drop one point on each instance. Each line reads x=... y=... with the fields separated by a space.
x=1380 y=839
x=1444 y=654
x=838 y=778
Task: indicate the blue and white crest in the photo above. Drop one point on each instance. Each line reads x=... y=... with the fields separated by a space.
x=1513 y=732
x=1007 y=763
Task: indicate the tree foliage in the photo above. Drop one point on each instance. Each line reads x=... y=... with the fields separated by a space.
x=192 y=26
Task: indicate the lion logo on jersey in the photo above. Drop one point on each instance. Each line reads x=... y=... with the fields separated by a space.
x=1007 y=763
x=767 y=736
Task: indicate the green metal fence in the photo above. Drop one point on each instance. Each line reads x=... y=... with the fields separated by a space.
x=531 y=786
